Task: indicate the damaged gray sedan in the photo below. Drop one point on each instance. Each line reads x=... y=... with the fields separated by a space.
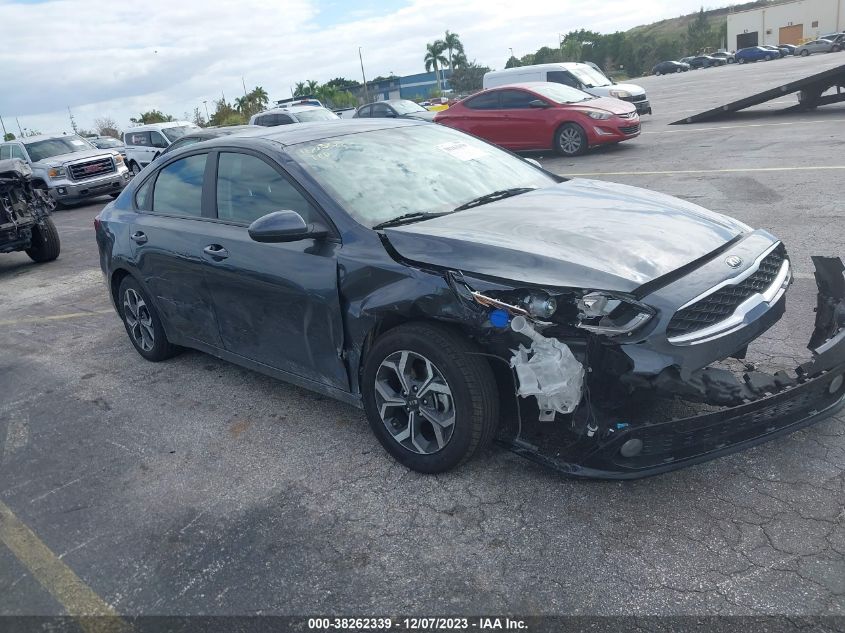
x=462 y=295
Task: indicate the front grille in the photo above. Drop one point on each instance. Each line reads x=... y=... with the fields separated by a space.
x=92 y=169
x=719 y=305
x=634 y=98
x=629 y=129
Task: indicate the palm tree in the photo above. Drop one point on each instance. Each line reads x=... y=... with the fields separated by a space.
x=312 y=86
x=434 y=58
x=452 y=42
x=300 y=89
x=259 y=97
x=242 y=104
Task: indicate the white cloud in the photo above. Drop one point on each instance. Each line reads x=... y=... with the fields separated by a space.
x=118 y=59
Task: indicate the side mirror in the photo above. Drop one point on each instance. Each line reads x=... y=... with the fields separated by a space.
x=284 y=226
x=538 y=103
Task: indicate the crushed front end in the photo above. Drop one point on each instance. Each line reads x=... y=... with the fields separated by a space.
x=626 y=385
x=22 y=206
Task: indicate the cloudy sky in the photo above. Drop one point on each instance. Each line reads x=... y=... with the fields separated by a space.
x=117 y=59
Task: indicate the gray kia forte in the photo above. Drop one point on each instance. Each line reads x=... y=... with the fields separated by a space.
x=461 y=294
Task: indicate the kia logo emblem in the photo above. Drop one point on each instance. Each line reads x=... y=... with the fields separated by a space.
x=734 y=261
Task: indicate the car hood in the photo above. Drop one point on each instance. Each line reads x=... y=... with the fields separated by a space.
x=609 y=104
x=64 y=159
x=580 y=234
x=428 y=115
x=634 y=89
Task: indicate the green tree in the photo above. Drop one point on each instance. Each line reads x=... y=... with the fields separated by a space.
x=546 y=55
x=468 y=77
x=512 y=62
x=452 y=43
x=300 y=89
x=153 y=116
x=699 y=32
x=8 y=136
x=340 y=83
x=434 y=59
x=311 y=86
x=225 y=114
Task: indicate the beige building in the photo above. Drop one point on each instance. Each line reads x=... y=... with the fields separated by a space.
x=790 y=23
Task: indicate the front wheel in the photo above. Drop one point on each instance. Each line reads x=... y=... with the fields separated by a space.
x=431 y=400
x=741 y=60
x=135 y=168
x=45 y=245
x=571 y=140
x=805 y=52
x=142 y=322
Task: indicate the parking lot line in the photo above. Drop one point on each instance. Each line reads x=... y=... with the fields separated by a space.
x=56 y=317
x=705 y=171
x=731 y=127
x=93 y=614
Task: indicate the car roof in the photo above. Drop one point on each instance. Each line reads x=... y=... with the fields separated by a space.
x=158 y=126
x=45 y=137
x=318 y=130
x=214 y=132
x=549 y=66
x=293 y=109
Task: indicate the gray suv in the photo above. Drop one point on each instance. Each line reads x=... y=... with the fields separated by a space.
x=68 y=167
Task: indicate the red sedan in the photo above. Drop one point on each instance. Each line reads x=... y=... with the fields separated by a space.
x=542 y=115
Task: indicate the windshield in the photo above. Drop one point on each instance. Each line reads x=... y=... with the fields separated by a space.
x=560 y=93
x=39 y=150
x=407 y=107
x=103 y=143
x=172 y=133
x=589 y=76
x=317 y=114
x=383 y=174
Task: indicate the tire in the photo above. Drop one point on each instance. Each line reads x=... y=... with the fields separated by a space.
x=805 y=52
x=741 y=60
x=768 y=58
x=135 y=168
x=46 y=245
x=657 y=73
x=679 y=70
x=429 y=354
x=835 y=49
x=571 y=140
x=142 y=322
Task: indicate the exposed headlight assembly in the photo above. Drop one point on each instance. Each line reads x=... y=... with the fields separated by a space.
x=605 y=313
x=57 y=172
x=619 y=94
x=599 y=115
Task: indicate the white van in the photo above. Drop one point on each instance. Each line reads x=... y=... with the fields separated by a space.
x=146 y=142
x=581 y=76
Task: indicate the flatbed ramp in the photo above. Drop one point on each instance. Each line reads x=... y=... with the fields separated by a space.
x=811 y=91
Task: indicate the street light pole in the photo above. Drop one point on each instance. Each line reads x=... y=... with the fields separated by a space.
x=205 y=103
x=364 y=77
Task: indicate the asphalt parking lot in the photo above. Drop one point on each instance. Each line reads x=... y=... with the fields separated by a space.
x=196 y=487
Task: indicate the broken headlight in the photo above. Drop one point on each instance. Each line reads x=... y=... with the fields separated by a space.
x=605 y=313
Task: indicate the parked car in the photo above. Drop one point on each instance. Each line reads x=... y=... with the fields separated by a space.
x=395 y=109
x=203 y=134
x=292 y=114
x=108 y=142
x=435 y=280
x=728 y=57
x=145 y=143
x=703 y=61
x=580 y=76
x=754 y=54
x=664 y=68
x=25 y=223
x=817 y=46
x=781 y=52
x=788 y=49
x=543 y=115
x=69 y=168
x=836 y=38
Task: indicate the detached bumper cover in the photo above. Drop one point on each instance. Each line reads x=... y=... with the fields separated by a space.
x=786 y=404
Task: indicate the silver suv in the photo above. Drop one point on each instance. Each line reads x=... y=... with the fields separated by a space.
x=68 y=167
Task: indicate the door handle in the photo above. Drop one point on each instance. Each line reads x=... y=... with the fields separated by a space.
x=139 y=237
x=216 y=252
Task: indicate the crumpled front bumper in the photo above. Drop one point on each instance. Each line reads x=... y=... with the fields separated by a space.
x=784 y=404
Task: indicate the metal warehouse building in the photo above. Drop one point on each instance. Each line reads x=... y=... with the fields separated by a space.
x=789 y=23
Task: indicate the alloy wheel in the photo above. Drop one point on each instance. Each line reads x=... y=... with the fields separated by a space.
x=138 y=318
x=415 y=402
x=570 y=141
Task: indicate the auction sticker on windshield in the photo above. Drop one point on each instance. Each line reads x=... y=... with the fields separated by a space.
x=462 y=151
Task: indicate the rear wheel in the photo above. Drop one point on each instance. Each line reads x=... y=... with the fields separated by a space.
x=142 y=322
x=805 y=52
x=768 y=58
x=836 y=48
x=571 y=140
x=46 y=245
x=741 y=60
x=657 y=73
x=430 y=399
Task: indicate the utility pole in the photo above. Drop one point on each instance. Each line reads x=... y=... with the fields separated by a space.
x=4 y=127
x=72 y=122
x=205 y=103
x=244 y=84
x=19 y=126
x=364 y=77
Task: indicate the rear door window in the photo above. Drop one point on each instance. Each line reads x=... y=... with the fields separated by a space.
x=138 y=138
x=249 y=188
x=515 y=99
x=178 y=187
x=562 y=77
x=487 y=101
